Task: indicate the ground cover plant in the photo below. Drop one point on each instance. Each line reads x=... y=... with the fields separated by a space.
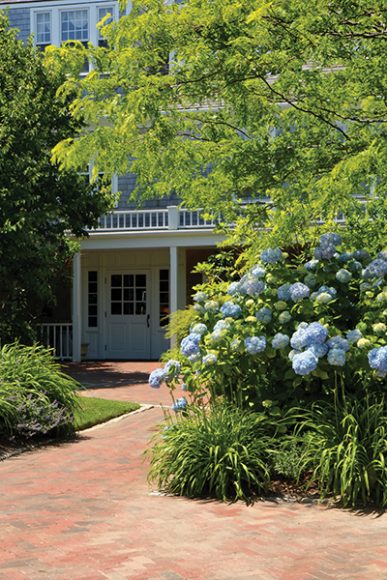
x=297 y=335
x=92 y=411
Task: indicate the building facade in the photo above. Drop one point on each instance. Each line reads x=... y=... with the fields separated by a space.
x=135 y=267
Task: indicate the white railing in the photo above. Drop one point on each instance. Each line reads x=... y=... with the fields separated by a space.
x=170 y=218
x=58 y=336
x=146 y=219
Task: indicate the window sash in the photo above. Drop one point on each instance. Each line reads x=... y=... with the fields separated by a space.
x=43 y=28
x=74 y=25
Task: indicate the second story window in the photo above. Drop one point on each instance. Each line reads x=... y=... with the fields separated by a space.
x=102 y=12
x=43 y=29
x=74 y=25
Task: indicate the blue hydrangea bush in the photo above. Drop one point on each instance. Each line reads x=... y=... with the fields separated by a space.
x=287 y=329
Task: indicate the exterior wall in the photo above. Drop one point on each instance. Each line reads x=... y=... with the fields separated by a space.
x=20 y=18
x=128 y=260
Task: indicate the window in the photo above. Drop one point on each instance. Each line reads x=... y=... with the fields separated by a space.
x=102 y=12
x=74 y=25
x=43 y=29
x=128 y=294
x=164 y=297
x=92 y=299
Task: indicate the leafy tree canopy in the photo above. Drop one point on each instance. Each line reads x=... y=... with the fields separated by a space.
x=38 y=203
x=283 y=99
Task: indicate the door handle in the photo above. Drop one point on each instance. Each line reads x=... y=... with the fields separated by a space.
x=147 y=320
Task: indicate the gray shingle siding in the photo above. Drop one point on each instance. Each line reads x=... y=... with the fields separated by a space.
x=126 y=185
x=20 y=18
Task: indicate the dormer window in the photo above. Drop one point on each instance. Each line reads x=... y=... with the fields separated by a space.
x=43 y=29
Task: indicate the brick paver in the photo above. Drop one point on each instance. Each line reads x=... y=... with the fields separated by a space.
x=84 y=510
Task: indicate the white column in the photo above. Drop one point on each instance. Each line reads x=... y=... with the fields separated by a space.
x=173 y=280
x=76 y=313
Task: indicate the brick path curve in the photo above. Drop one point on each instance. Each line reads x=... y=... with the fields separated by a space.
x=83 y=510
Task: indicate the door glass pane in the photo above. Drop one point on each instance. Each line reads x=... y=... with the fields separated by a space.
x=128 y=308
x=116 y=308
x=128 y=280
x=140 y=280
x=116 y=294
x=116 y=280
x=140 y=308
x=128 y=294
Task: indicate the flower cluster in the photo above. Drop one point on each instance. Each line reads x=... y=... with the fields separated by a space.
x=298 y=291
x=255 y=344
x=231 y=310
x=190 y=345
x=264 y=315
x=377 y=358
x=280 y=340
x=377 y=268
x=179 y=404
x=327 y=248
x=271 y=255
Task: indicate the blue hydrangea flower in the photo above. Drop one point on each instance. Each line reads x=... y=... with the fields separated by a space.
x=199 y=297
x=195 y=357
x=233 y=288
x=299 y=291
x=377 y=358
x=283 y=292
x=292 y=354
x=157 y=377
x=304 y=363
x=255 y=344
x=235 y=344
x=190 y=344
x=311 y=265
x=336 y=357
x=338 y=343
x=327 y=248
x=198 y=308
x=209 y=359
x=199 y=329
x=222 y=325
x=179 y=404
x=319 y=350
x=251 y=286
x=271 y=255
x=284 y=317
x=375 y=269
x=172 y=368
x=306 y=336
x=258 y=271
x=217 y=336
x=229 y=309
x=343 y=276
x=353 y=335
x=264 y=315
x=280 y=340
x=344 y=257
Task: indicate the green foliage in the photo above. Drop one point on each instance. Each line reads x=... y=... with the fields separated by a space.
x=281 y=99
x=39 y=204
x=179 y=323
x=92 y=411
x=35 y=396
x=345 y=444
x=219 y=452
x=222 y=364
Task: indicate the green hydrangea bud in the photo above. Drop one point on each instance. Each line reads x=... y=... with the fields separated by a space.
x=379 y=328
x=249 y=303
x=280 y=305
x=363 y=343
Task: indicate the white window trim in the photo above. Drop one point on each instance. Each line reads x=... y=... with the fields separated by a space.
x=73 y=5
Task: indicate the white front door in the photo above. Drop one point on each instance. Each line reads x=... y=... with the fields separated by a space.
x=128 y=317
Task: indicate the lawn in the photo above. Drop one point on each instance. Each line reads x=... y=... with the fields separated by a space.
x=92 y=411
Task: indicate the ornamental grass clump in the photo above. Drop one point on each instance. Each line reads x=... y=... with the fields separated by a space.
x=345 y=446
x=216 y=452
x=36 y=398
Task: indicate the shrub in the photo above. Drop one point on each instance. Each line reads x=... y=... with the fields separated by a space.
x=289 y=327
x=35 y=396
x=345 y=444
x=219 y=452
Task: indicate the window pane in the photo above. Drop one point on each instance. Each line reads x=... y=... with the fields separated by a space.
x=43 y=28
x=116 y=280
x=74 y=25
x=140 y=280
x=128 y=307
x=116 y=294
x=102 y=12
x=116 y=308
x=128 y=280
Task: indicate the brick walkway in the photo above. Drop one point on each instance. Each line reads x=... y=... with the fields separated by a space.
x=83 y=510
